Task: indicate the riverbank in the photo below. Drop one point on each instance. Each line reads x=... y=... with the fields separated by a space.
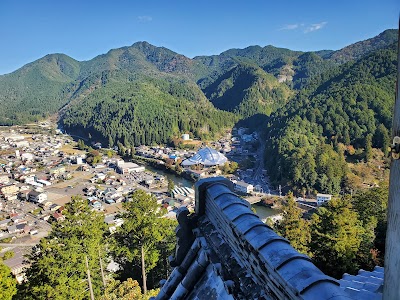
x=265 y=212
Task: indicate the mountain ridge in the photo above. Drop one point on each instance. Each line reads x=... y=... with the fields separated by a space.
x=57 y=81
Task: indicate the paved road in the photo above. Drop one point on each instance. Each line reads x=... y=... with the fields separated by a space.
x=18 y=245
x=258 y=171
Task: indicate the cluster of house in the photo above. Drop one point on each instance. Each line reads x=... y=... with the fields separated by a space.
x=223 y=145
x=15 y=223
x=180 y=196
x=97 y=196
x=163 y=153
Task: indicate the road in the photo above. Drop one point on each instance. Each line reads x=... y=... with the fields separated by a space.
x=9 y=245
x=258 y=171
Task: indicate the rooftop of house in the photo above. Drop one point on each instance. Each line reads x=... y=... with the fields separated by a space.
x=224 y=251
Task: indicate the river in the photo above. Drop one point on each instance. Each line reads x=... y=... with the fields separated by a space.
x=262 y=211
x=178 y=181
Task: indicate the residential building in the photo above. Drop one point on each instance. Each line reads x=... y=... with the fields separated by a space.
x=10 y=189
x=243 y=187
x=58 y=171
x=37 y=197
x=323 y=198
x=196 y=173
x=4 y=179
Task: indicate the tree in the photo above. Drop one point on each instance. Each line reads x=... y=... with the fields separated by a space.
x=8 y=285
x=229 y=167
x=138 y=240
x=93 y=157
x=336 y=236
x=126 y=290
x=81 y=145
x=8 y=255
x=382 y=139
x=371 y=206
x=109 y=153
x=368 y=147
x=58 y=268
x=110 y=141
x=171 y=186
x=293 y=227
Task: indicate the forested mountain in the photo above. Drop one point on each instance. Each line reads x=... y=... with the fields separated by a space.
x=350 y=108
x=145 y=112
x=362 y=48
x=148 y=94
x=247 y=90
x=37 y=89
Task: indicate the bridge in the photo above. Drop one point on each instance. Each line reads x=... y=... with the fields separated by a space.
x=224 y=251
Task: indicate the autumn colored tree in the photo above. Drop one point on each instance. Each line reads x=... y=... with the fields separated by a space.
x=293 y=227
x=126 y=290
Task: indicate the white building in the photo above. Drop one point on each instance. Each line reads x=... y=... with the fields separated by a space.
x=243 y=187
x=129 y=167
x=21 y=144
x=27 y=156
x=37 y=197
x=323 y=198
x=206 y=157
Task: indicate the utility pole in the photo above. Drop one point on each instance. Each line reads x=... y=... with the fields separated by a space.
x=89 y=280
x=391 y=289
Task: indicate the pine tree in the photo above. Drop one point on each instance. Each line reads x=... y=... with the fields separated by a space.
x=368 y=147
x=58 y=268
x=137 y=243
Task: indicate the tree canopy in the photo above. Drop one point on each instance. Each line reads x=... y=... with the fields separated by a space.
x=58 y=268
x=144 y=236
x=8 y=284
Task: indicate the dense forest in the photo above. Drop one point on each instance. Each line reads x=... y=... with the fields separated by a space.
x=145 y=112
x=351 y=108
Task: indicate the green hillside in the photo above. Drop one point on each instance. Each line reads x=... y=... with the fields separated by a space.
x=247 y=90
x=37 y=89
x=362 y=48
x=145 y=112
x=353 y=107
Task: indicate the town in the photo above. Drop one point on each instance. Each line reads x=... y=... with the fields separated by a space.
x=42 y=168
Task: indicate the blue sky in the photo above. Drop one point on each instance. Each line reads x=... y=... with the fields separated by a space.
x=83 y=29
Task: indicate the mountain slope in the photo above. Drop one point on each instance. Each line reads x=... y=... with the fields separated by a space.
x=243 y=81
x=363 y=48
x=144 y=112
x=37 y=89
x=352 y=104
x=247 y=90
